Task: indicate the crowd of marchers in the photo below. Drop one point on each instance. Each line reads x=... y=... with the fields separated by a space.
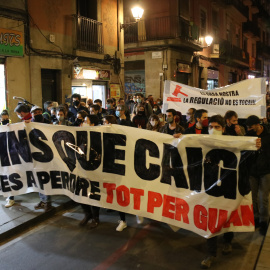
x=139 y=112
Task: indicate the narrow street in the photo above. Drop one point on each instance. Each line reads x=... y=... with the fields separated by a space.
x=59 y=243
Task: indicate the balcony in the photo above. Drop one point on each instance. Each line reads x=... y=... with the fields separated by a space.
x=263 y=8
x=89 y=35
x=235 y=7
x=251 y=30
x=263 y=51
x=231 y=55
x=161 y=31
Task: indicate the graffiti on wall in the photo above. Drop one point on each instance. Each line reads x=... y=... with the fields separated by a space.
x=134 y=82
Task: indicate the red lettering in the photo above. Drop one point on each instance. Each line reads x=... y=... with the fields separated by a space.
x=137 y=193
x=247 y=215
x=200 y=217
x=182 y=209
x=168 y=205
x=110 y=188
x=212 y=221
x=123 y=197
x=154 y=200
x=235 y=219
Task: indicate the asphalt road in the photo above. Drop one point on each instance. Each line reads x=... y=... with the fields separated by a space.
x=59 y=243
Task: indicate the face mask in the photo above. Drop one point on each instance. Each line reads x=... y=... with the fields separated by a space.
x=155 y=109
x=139 y=100
x=79 y=121
x=205 y=123
x=76 y=103
x=5 y=122
x=158 y=102
x=38 y=118
x=21 y=117
x=169 y=119
x=188 y=117
x=161 y=119
x=141 y=113
x=213 y=131
x=232 y=126
x=252 y=133
x=117 y=113
x=85 y=125
x=60 y=118
x=109 y=106
x=153 y=123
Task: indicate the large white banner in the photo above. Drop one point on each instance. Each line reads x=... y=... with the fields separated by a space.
x=198 y=182
x=246 y=97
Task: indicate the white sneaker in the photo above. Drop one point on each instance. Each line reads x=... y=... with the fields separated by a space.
x=139 y=219
x=122 y=225
x=9 y=203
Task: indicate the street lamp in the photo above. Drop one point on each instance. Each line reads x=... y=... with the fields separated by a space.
x=137 y=13
x=208 y=40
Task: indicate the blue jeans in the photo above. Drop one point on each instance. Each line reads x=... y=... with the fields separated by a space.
x=45 y=198
x=260 y=187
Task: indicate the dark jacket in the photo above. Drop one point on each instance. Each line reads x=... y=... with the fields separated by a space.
x=192 y=130
x=76 y=110
x=178 y=129
x=261 y=162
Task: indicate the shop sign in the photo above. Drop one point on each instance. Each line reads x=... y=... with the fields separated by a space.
x=91 y=74
x=115 y=90
x=11 y=42
x=183 y=68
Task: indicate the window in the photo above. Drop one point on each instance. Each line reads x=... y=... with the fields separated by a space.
x=183 y=9
x=253 y=50
x=87 y=8
x=215 y=18
x=245 y=41
x=203 y=23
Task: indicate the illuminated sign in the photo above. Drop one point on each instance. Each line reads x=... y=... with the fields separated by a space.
x=91 y=74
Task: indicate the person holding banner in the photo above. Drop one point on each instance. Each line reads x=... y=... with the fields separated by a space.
x=23 y=112
x=90 y=212
x=217 y=127
x=232 y=127
x=171 y=127
x=201 y=126
x=260 y=173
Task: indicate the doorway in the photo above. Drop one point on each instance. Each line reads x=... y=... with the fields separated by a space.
x=99 y=91
x=50 y=81
x=2 y=88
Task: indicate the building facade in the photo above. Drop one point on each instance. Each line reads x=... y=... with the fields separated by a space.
x=169 y=43
x=66 y=46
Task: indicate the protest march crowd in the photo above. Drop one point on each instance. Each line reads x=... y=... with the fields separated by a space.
x=142 y=113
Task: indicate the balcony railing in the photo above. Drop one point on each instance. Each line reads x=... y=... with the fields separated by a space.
x=161 y=28
x=239 y=6
x=263 y=50
x=252 y=28
x=89 y=35
x=231 y=53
